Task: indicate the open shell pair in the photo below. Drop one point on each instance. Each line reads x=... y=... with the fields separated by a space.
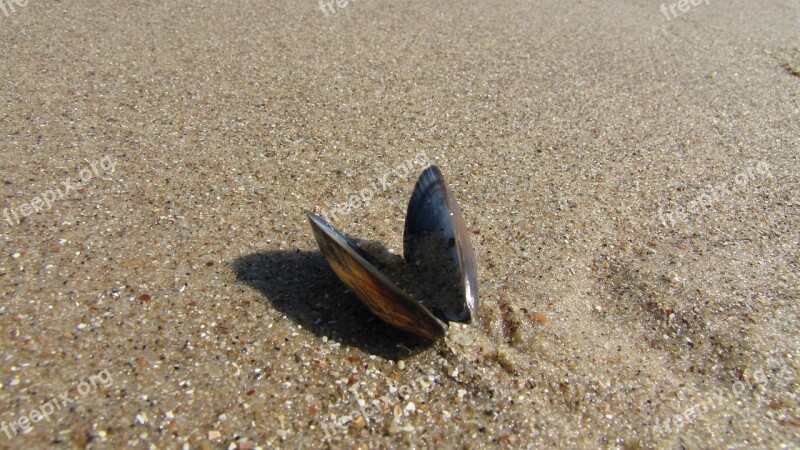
x=437 y=282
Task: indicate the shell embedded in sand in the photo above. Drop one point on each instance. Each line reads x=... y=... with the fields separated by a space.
x=437 y=281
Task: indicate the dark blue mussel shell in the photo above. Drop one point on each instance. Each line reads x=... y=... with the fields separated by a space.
x=434 y=222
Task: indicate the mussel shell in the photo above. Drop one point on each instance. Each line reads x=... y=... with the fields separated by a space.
x=380 y=295
x=434 y=211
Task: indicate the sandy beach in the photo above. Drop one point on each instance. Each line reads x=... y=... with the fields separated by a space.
x=628 y=172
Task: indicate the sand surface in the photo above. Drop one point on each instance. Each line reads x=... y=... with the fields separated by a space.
x=630 y=182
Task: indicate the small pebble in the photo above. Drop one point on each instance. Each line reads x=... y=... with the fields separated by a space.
x=539 y=317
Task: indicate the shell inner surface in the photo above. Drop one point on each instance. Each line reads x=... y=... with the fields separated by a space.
x=357 y=271
x=433 y=214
